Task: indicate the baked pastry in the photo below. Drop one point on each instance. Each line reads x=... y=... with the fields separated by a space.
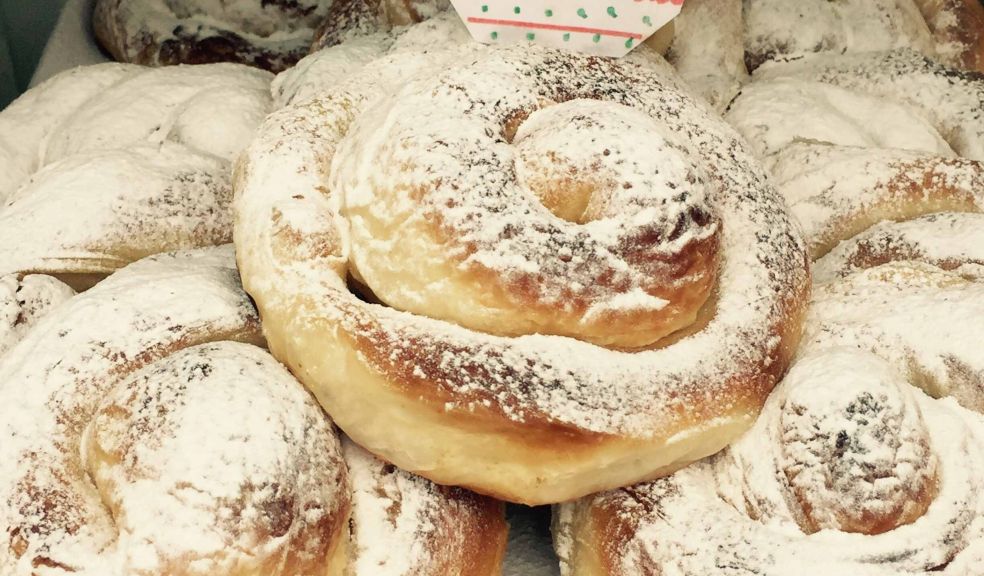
x=144 y=432
x=348 y=19
x=717 y=42
x=430 y=40
x=268 y=34
x=949 y=31
x=849 y=470
x=24 y=299
x=894 y=99
x=542 y=340
x=141 y=155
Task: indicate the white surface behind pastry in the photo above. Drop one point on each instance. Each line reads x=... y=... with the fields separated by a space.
x=71 y=44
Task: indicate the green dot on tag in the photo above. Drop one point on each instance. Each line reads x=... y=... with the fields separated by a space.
x=516 y=9
x=611 y=12
x=582 y=13
x=647 y=20
x=628 y=43
x=485 y=7
x=494 y=35
x=596 y=38
x=530 y=36
x=567 y=36
x=548 y=12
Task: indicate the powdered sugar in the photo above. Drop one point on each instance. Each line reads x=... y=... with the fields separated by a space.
x=948 y=31
x=836 y=191
x=213 y=109
x=773 y=114
x=403 y=525
x=141 y=155
x=914 y=315
x=23 y=301
x=707 y=49
x=126 y=204
x=779 y=28
x=953 y=101
x=26 y=123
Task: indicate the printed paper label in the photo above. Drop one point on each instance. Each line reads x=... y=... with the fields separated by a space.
x=604 y=28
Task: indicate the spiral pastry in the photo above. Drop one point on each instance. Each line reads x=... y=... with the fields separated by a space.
x=561 y=272
x=268 y=34
x=849 y=470
x=145 y=433
x=141 y=155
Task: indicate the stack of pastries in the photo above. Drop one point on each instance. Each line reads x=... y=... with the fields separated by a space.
x=720 y=304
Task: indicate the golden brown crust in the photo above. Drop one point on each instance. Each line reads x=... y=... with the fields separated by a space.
x=958 y=28
x=916 y=187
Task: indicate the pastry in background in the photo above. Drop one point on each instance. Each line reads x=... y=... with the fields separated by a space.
x=948 y=31
x=107 y=164
x=707 y=49
x=716 y=43
x=347 y=19
x=268 y=34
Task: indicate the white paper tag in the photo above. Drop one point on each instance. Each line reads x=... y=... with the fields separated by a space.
x=600 y=27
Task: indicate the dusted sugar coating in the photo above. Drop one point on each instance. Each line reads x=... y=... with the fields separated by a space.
x=25 y=299
x=142 y=156
x=373 y=183
x=128 y=204
x=268 y=34
x=325 y=69
x=213 y=461
x=775 y=28
x=913 y=314
x=849 y=470
x=862 y=139
x=27 y=121
x=837 y=192
x=350 y=19
x=951 y=100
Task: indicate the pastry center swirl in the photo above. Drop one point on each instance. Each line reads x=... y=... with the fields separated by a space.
x=515 y=208
x=589 y=160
